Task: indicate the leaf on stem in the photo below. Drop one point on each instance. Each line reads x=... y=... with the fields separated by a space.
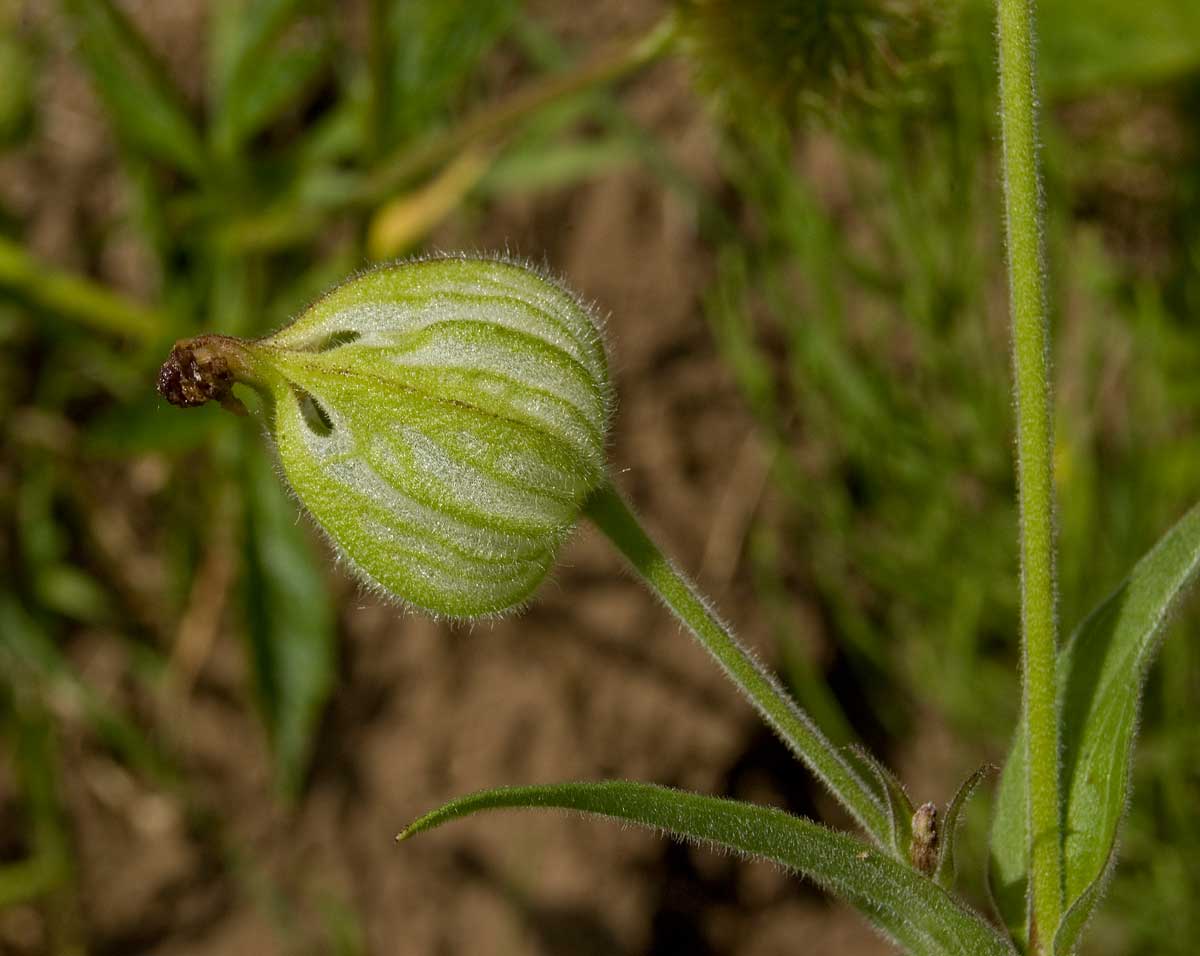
x=1078 y=913
x=1101 y=672
x=895 y=798
x=945 y=871
x=907 y=907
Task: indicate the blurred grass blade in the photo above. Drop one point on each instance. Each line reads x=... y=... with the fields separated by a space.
x=146 y=108
x=404 y=221
x=1100 y=676
x=279 y=80
x=72 y=297
x=945 y=872
x=546 y=166
x=1116 y=43
x=29 y=659
x=433 y=49
x=242 y=32
x=289 y=621
x=494 y=121
x=911 y=909
x=253 y=79
x=136 y=428
x=17 y=72
x=31 y=734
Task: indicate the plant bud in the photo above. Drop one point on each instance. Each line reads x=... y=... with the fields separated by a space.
x=923 y=851
x=443 y=420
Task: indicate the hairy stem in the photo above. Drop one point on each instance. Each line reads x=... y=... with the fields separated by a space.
x=74 y=297
x=1034 y=456
x=610 y=513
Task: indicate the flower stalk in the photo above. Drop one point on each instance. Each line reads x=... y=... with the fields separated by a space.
x=1030 y=338
x=609 y=512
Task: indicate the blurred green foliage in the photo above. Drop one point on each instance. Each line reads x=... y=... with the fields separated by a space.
x=857 y=299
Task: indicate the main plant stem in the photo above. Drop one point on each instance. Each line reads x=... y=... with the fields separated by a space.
x=609 y=512
x=1034 y=461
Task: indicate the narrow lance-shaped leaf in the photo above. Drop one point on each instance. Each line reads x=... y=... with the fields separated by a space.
x=945 y=871
x=896 y=799
x=907 y=907
x=1078 y=913
x=1101 y=672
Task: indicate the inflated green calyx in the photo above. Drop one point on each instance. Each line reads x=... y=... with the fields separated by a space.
x=443 y=420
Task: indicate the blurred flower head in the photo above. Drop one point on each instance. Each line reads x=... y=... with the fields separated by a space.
x=792 y=58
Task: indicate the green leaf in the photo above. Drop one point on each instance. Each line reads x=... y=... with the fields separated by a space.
x=1077 y=915
x=911 y=909
x=1100 y=676
x=144 y=105
x=945 y=872
x=895 y=798
x=289 y=621
x=1008 y=866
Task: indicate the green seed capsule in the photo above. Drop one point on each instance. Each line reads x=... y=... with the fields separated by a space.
x=443 y=421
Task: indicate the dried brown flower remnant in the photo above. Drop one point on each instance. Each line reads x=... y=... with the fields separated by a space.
x=198 y=371
x=923 y=851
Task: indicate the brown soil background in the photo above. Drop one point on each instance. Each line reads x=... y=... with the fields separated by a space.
x=594 y=681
